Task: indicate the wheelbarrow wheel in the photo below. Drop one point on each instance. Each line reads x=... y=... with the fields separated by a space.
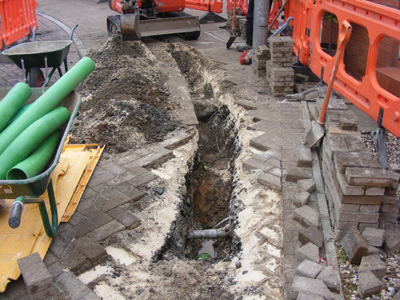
x=36 y=78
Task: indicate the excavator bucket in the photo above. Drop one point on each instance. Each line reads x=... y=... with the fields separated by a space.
x=130 y=28
x=133 y=29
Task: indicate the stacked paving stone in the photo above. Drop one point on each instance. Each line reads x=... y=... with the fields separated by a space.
x=242 y=26
x=261 y=56
x=239 y=16
x=279 y=71
x=359 y=191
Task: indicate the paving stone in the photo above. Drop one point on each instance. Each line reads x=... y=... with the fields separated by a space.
x=263 y=142
x=160 y=155
x=89 y=248
x=354 y=245
x=311 y=286
x=270 y=181
x=374 y=236
x=143 y=179
x=73 y=260
x=368 y=284
x=306 y=185
x=72 y=287
x=311 y=234
x=331 y=278
x=105 y=231
x=255 y=164
x=308 y=268
x=374 y=264
x=125 y=217
x=98 y=217
x=367 y=177
x=295 y=174
x=307 y=296
x=301 y=199
x=373 y=250
x=304 y=158
x=130 y=191
x=392 y=240
x=308 y=251
x=347 y=189
x=35 y=274
x=113 y=199
x=306 y=216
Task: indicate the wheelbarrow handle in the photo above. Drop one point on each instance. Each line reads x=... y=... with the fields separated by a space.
x=15 y=216
x=72 y=32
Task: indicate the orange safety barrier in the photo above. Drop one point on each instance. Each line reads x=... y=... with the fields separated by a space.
x=214 y=6
x=18 y=18
x=241 y=4
x=276 y=5
x=375 y=26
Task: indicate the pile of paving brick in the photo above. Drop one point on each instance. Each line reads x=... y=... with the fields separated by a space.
x=359 y=191
x=238 y=19
x=275 y=64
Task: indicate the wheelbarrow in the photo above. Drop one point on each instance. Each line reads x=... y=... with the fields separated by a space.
x=33 y=56
x=29 y=191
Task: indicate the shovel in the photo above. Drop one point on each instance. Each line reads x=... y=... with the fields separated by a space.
x=317 y=131
x=233 y=35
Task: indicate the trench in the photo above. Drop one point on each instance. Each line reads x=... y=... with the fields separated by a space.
x=206 y=206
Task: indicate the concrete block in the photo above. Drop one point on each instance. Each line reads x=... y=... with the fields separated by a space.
x=307 y=185
x=271 y=181
x=392 y=239
x=35 y=274
x=311 y=234
x=308 y=268
x=294 y=174
x=308 y=251
x=304 y=158
x=311 y=286
x=374 y=264
x=374 y=236
x=367 y=177
x=354 y=245
x=306 y=216
x=301 y=199
x=331 y=278
x=368 y=284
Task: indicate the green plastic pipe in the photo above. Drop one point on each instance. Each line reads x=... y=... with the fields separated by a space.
x=20 y=112
x=35 y=163
x=30 y=138
x=12 y=102
x=48 y=101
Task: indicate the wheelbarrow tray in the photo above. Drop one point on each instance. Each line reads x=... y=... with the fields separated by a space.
x=34 y=54
x=37 y=185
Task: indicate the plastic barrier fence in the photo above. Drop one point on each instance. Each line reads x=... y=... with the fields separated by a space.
x=214 y=6
x=371 y=78
x=18 y=18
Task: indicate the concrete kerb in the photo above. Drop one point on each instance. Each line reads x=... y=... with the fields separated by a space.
x=77 y=41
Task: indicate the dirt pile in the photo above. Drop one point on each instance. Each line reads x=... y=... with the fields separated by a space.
x=125 y=99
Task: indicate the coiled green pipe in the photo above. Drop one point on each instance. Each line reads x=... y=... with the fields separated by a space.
x=30 y=138
x=12 y=102
x=35 y=162
x=48 y=101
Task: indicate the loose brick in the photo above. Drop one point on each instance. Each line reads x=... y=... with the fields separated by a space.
x=354 y=245
x=312 y=286
x=374 y=264
x=392 y=239
x=307 y=185
x=125 y=217
x=374 y=236
x=35 y=274
x=308 y=251
x=105 y=231
x=347 y=189
x=368 y=284
x=331 y=278
x=270 y=181
x=306 y=216
x=72 y=287
x=308 y=268
x=301 y=199
x=92 y=250
x=311 y=234
x=294 y=174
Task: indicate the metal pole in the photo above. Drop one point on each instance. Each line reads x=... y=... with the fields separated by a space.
x=261 y=17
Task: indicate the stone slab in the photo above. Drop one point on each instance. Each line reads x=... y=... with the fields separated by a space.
x=368 y=284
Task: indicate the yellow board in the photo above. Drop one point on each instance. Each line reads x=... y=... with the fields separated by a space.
x=30 y=236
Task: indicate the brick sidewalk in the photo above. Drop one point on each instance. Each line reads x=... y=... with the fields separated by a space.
x=10 y=74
